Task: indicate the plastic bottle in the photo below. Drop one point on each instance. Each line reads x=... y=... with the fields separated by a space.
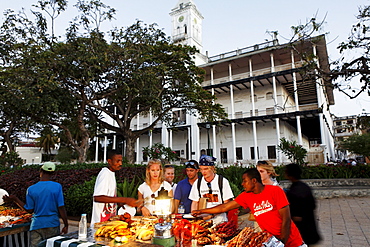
x=181 y=208
x=82 y=228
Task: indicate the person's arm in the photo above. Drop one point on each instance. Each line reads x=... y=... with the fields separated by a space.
x=142 y=209
x=217 y=209
x=124 y=200
x=285 y=225
x=194 y=205
x=176 y=204
x=63 y=215
x=16 y=200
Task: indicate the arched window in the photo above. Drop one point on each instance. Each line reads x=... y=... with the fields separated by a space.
x=186 y=29
x=269 y=95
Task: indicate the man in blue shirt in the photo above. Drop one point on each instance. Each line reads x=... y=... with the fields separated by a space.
x=46 y=202
x=184 y=186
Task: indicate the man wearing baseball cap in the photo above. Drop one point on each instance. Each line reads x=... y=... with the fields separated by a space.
x=46 y=202
x=209 y=187
x=184 y=186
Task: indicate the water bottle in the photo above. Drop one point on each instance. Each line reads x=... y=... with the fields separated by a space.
x=82 y=228
x=181 y=208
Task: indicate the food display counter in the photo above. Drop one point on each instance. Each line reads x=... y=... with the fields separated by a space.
x=143 y=231
x=14 y=227
x=15 y=236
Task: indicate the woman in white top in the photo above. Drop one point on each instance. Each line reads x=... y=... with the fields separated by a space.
x=267 y=171
x=148 y=190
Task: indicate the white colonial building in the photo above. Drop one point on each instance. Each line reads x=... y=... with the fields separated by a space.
x=265 y=94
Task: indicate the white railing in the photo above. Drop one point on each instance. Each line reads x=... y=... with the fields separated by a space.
x=255 y=73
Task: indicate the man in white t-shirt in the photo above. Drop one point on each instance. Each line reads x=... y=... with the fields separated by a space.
x=105 y=191
x=209 y=188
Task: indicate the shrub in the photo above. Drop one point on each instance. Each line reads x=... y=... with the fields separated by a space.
x=296 y=153
x=79 y=198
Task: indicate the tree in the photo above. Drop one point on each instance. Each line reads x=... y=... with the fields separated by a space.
x=350 y=67
x=149 y=75
x=159 y=151
x=47 y=141
x=45 y=71
x=296 y=153
x=358 y=144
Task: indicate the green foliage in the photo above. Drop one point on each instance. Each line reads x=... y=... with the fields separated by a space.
x=11 y=159
x=128 y=189
x=296 y=153
x=358 y=144
x=65 y=155
x=79 y=198
x=159 y=151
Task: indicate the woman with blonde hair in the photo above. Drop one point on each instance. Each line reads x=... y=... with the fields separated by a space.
x=148 y=190
x=267 y=171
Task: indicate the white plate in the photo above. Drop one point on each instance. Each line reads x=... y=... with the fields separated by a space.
x=188 y=216
x=2 y=193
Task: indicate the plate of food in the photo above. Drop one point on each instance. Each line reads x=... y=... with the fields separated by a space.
x=2 y=193
x=188 y=216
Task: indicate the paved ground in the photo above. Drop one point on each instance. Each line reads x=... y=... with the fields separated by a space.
x=343 y=222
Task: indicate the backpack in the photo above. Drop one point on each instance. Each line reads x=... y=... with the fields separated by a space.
x=220 y=185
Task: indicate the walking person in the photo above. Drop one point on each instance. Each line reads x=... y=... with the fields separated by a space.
x=302 y=205
x=45 y=201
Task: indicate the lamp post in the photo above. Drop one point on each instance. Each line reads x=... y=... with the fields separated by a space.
x=208 y=126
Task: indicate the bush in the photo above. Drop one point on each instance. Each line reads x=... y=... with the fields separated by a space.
x=79 y=198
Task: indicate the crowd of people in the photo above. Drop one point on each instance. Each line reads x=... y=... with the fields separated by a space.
x=286 y=214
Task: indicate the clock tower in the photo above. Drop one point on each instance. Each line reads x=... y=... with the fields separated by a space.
x=187 y=27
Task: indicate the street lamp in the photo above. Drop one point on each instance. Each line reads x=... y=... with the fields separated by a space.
x=208 y=126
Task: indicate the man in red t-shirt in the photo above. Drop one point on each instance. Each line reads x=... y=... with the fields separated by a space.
x=269 y=206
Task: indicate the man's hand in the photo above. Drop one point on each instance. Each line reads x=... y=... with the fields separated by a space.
x=10 y=198
x=64 y=230
x=195 y=213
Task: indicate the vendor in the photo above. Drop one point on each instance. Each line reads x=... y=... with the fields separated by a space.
x=105 y=191
x=45 y=201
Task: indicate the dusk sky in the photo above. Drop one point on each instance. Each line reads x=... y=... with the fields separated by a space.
x=232 y=24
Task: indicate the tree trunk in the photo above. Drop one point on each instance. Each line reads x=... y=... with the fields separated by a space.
x=7 y=137
x=130 y=149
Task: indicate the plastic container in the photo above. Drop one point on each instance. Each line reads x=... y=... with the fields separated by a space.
x=181 y=208
x=82 y=228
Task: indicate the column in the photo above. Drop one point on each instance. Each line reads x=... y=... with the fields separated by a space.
x=150 y=132
x=233 y=136
x=277 y=122
x=96 y=148
x=254 y=124
x=138 y=151
x=114 y=124
x=105 y=145
x=296 y=101
x=214 y=137
x=320 y=105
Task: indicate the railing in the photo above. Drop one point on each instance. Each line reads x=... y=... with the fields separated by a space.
x=244 y=50
x=255 y=73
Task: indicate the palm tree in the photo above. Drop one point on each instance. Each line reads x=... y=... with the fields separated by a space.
x=47 y=141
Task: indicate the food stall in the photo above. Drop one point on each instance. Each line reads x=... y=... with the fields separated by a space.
x=14 y=227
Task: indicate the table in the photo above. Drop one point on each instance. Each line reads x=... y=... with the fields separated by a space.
x=62 y=241
x=15 y=236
